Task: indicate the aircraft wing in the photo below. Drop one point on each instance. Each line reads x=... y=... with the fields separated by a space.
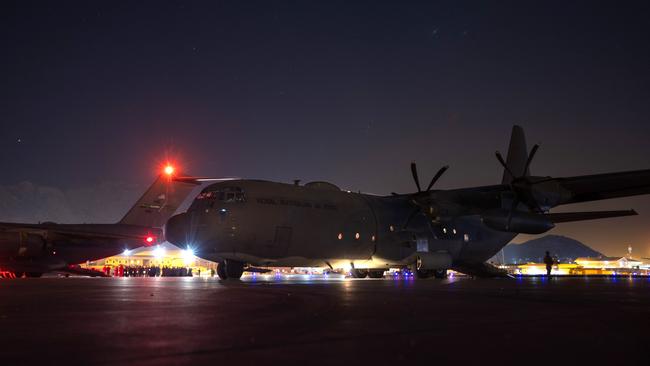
x=84 y=231
x=583 y=216
x=604 y=186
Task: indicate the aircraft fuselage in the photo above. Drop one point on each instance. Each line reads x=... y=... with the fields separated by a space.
x=274 y=224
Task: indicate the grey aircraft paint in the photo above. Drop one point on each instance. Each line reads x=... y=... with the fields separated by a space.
x=263 y=223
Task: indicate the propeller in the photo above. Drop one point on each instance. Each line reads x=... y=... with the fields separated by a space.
x=519 y=184
x=414 y=172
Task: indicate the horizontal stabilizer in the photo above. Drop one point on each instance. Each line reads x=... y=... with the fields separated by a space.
x=583 y=216
x=199 y=180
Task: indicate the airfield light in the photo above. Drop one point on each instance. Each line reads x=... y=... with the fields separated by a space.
x=149 y=239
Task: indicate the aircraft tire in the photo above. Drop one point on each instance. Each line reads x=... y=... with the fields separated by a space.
x=33 y=274
x=440 y=273
x=221 y=271
x=423 y=273
x=19 y=274
x=234 y=269
x=358 y=273
x=376 y=273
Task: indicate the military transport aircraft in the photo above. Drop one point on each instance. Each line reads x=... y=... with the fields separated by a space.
x=32 y=249
x=241 y=223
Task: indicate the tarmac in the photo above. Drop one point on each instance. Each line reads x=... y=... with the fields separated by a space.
x=317 y=321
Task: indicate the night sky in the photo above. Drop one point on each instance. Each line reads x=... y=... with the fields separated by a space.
x=94 y=95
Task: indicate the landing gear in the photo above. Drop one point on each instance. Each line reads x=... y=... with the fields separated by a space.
x=440 y=273
x=427 y=273
x=234 y=269
x=376 y=273
x=358 y=273
x=423 y=273
x=221 y=271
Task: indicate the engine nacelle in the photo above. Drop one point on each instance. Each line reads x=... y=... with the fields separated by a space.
x=16 y=244
x=433 y=261
x=521 y=222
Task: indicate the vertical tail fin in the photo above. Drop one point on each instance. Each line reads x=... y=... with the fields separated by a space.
x=517 y=155
x=158 y=203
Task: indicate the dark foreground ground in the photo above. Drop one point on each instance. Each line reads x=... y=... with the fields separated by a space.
x=193 y=321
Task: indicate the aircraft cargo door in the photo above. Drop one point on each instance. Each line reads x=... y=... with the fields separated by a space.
x=281 y=241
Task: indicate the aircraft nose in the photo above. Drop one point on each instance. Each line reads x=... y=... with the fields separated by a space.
x=177 y=229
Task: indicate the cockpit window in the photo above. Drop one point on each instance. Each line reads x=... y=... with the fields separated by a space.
x=223 y=194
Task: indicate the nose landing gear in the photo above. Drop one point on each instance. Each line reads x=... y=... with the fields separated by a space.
x=230 y=269
x=221 y=270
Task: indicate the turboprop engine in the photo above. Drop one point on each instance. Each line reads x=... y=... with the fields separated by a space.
x=18 y=244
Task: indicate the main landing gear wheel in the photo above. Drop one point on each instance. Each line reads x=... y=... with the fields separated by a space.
x=358 y=273
x=221 y=271
x=234 y=269
x=376 y=273
x=440 y=273
x=423 y=273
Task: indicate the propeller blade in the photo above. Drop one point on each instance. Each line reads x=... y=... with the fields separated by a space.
x=437 y=176
x=414 y=171
x=513 y=207
x=411 y=216
x=530 y=159
x=503 y=163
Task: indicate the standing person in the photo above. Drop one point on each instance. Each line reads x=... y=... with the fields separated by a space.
x=549 y=263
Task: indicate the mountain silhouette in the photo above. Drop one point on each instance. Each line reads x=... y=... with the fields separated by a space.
x=565 y=249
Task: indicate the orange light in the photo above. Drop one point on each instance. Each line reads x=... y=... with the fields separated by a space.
x=169 y=170
x=149 y=239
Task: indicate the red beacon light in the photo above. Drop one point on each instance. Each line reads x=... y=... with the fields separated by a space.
x=149 y=239
x=169 y=170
